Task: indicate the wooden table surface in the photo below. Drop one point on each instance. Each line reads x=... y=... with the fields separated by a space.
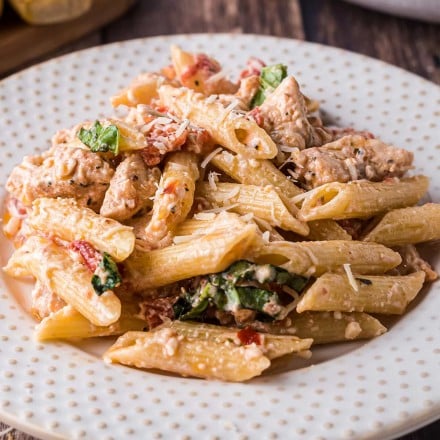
x=412 y=45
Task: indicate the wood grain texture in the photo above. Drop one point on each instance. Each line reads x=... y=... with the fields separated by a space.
x=412 y=45
x=20 y=43
x=268 y=17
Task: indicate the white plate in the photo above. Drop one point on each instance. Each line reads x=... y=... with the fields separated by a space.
x=376 y=389
x=427 y=10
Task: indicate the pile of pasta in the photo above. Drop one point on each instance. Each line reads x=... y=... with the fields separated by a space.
x=218 y=225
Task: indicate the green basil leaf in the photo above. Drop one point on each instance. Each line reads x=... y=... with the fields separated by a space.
x=270 y=78
x=108 y=276
x=257 y=299
x=100 y=139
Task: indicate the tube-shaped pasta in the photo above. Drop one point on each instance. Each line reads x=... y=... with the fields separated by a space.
x=208 y=254
x=327 y=230
x=375 y=294
x=209 y=222
x=142 y=90
x=53 y=266
x=272 y=345
x=317 y=257
x=67 y=323
x=361 y=198
x=67 y=220
x=407 y=226
x=174 y=196
x=232 y=131
x=166 y=350
x=202 y=351
x=198 y=72
x=328 y=327
x=263 y=202
x=255 y=172
x=264 y=172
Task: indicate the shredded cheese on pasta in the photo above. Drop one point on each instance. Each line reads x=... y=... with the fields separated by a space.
x=210 y=156
x=351 y=279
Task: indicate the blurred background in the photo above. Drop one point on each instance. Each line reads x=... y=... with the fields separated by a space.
x=405 y=33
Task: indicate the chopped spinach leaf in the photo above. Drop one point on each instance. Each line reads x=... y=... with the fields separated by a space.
x=270 y=79
x=106 y=276
x=100 y=139
x=237 y=288
x=257 y=299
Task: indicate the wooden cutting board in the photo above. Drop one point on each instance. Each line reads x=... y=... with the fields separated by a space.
x=20 y=43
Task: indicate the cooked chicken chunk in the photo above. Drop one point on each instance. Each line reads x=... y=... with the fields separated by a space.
x=247 y=90
x=62 y=171
x=284 y=116
x=131 y=188
x=349 y=158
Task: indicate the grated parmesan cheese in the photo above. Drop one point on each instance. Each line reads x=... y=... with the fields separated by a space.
x=300 y=197
x=235 y=102
x=222 y=208
x=213 y=179
x=211 y=98
x=296 y=298
x=182 y=127
x=351 y=169
x=351 y=279
x=353 y=330
x=210 y=156
x=247 y=217
x=216 y=77
x=293 y=175
x=287 y=149
x=182 y=238
x=265 y=236
x=231 y=194
x=204 y=215
x=161 y=120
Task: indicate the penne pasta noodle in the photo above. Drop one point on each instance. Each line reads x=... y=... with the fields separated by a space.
x=202 y=351
x=313 y=258
x=375 y=294
x=210 y=223
x=174 y=197
x=53 y=266
x=255 y=172
x=274 y=346
x=199 y=72
x=327 y=230
x=232 y=131
x=67 y=323
x=361 y=198
x=329 y=327
x=264 y=172
x=412 y=225
x=208 y=254
x=263 y=202
x=65 y=219
x=165 y=350
x=142 y=90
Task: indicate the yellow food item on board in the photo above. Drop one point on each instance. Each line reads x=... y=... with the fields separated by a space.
x=49 y=11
